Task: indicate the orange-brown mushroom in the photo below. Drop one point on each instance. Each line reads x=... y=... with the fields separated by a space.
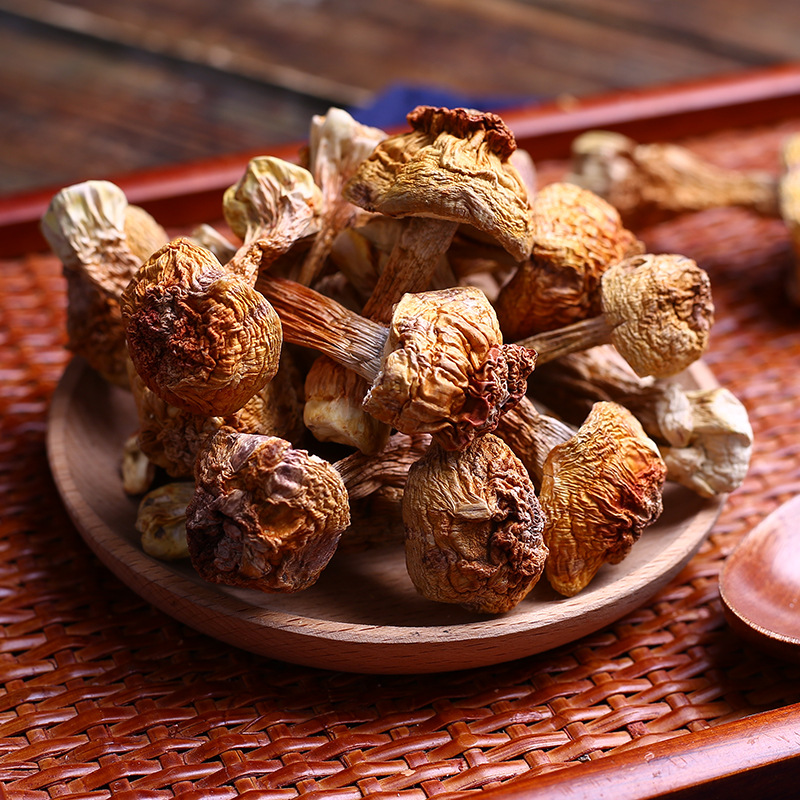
x=600 y=490
x=473 y=527
x=440 y=368
x=657 y=311
x=577 y=236
x=200 y=336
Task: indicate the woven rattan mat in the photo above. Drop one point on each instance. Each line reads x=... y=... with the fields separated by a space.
x=103 y=696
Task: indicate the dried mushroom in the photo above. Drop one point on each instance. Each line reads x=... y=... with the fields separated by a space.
x=161 y=521
x=264 y=515
x=600 y=490
x=716 y=457
x=440 y=368
x=138 y=471
x=473 y=527
x=101 y=241
x=337 y=145
x=451 y=169
x=170 y=437
x=650 y=183
x=272 y=206
x=199 y=336
x=657 y=311
x=577 y=236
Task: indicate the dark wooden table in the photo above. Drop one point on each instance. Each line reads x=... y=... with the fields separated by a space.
x=96 y=88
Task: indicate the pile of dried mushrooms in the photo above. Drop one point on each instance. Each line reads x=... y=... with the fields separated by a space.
x=410 y=318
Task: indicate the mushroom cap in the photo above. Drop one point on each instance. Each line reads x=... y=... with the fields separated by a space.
x=101 y=242
x=274 y=200
x=661 y=312
x=577 y=236
x=453 y=165
x=199 y=336
x=473 y=527
x=445 y=369
x=264 y=515
x=600 y=489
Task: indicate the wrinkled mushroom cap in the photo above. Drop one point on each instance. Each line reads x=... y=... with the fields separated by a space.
x=473 y=527
x=454 y=165
x=717 y=456
x=101 y=241
x=577 y=236
x=274 y=200
x=445 y=369
x=661 y=310
x=600 y=489
x=264 y=515
x=199 y=336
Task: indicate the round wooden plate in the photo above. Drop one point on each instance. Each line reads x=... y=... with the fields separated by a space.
x=364 y=614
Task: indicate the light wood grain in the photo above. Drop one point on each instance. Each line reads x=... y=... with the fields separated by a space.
x=363 y=614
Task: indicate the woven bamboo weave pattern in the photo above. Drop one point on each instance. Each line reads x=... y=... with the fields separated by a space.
x=103 y=696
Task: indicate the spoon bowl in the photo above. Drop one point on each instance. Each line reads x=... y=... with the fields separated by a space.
x=760 y=583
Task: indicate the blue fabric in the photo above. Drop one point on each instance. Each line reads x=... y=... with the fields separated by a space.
x=389 y=108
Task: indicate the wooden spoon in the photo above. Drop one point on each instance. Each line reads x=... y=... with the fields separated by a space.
x=760 y=583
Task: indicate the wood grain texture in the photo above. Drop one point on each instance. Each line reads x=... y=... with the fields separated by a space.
x=363 y=614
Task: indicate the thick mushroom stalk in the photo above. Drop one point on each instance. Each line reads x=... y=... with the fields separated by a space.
x=650 y=183
x=440 y=368
x=717 y=455
x=473 y=527
x=452 y=169
x=264 y=515
x=199 y=336
x=657 y=311
x=337 y=145
x=272 y=206
x=577 y=236
x=101 y=241
x=600 y=490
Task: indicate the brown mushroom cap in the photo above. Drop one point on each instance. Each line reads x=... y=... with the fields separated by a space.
x=473 y=527
x=452 y=166
x=264 y=515
x=577 y=236
x=661 y=312
x=199 y=336
x=446 y=370
x=600 y=489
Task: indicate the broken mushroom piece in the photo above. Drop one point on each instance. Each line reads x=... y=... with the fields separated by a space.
x=272 y=206
x=264 y=515
x=440 y=368
x=717 y=455
x=337 y=145
x=451 y=169
x=657 y=311
x=577 y=236
x=161 y=521
x=651 y=183
x=473 y=527
x=101 y=241
x=599 y=491
x=199 y=336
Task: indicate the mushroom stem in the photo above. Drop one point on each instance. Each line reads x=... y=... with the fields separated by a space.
x=581 y=335
x=313 y=320
x=411 y=263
